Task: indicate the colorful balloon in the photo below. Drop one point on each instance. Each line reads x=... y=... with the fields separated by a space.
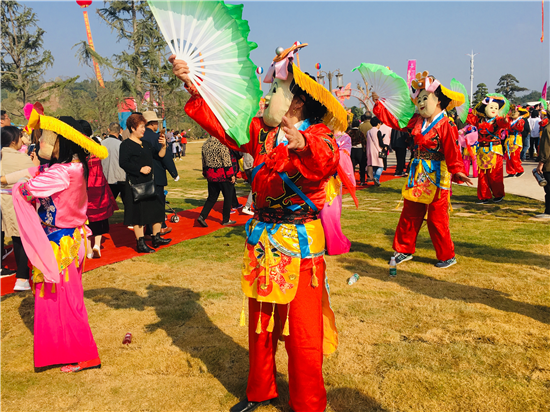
x=259 y=70
x=318 y=66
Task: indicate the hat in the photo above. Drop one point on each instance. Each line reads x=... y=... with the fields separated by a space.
x=61 y=127
x=430 y=83
x=503 y=104
x=336 y=117
x=151 y=116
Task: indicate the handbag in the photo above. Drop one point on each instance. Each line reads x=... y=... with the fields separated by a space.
x=382 y=154
x=142 y=191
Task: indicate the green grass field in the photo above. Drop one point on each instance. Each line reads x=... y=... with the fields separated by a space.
x=474 y=337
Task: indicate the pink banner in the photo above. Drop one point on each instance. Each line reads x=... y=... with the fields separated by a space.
x=544 y=90
x=411 y=72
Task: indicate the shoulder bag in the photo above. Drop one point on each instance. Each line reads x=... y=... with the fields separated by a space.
x=142 y=191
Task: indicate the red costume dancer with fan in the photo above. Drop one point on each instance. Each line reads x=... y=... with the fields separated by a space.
x=437 y=159
x=295 y=154
x=488 y=118
x=514 y=142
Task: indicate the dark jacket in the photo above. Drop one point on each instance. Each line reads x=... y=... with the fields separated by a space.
x=160 y=164
x=398 y=139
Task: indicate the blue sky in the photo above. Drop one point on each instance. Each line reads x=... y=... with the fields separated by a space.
x=341 y=35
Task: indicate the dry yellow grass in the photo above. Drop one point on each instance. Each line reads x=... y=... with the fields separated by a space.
x=473 y=337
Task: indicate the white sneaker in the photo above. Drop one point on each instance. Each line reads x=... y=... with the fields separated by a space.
x=247 y=211
x=22 y=284
x=543 y=216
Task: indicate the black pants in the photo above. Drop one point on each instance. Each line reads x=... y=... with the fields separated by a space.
x=547 y=193
x=400 y=155
x=533 y=147
x=235 y=202
x=183 y=148
x=159 y=190
x=21 y=258
x=214 y=189
x=359 y=157
x=118 y=189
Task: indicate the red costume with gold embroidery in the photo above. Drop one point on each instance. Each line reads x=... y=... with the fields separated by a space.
x=489 y=155
x=437 y=144
x=513 y=145
x=299 y=278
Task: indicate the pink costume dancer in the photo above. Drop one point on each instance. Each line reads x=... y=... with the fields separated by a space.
x=51 y=212
x=336 y=242
x=467 y=140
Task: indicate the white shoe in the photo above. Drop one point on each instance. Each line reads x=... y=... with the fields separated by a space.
x=90 y=255
x=96 y=253
x=22 y=284
x=543 y=216
x=247 y=211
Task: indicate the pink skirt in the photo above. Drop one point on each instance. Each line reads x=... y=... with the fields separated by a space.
x=336 y=242
x=62 y=334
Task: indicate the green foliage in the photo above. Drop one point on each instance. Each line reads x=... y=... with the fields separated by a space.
x=357 y=112
x=23 y=60
x=508 y=86
x=480 y=93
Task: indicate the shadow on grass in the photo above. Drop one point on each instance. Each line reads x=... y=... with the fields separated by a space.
x=191 y=330
x=440 y=289
x=477 y=251
x=185 y=321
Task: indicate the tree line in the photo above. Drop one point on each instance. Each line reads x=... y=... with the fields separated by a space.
x=508 y=86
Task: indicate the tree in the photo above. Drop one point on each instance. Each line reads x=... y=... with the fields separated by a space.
x=357 y=112
x=508 y=86
x=23 y=60
x=480 y=93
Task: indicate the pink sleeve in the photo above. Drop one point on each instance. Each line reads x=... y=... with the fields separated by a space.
x=53 y=180
x=35 y=242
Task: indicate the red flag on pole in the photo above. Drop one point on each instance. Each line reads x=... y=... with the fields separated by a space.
x=542 y=37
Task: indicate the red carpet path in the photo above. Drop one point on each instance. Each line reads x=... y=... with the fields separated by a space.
x=120 y=244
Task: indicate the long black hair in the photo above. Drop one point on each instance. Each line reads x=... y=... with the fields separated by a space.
x=68 y=149
x=10 y=134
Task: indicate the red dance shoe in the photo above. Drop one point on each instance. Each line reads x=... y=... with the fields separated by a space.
x=80 y=366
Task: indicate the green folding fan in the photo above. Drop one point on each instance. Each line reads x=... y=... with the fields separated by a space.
x=211 y=37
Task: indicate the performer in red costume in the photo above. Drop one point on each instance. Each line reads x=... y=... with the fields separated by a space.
x=487 y=117
x=437 y=157
x=295 y=154
x=514 y=142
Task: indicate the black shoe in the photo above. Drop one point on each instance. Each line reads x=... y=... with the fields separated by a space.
x=519 y=174
x=482 y=202
x=511 y=175
x=498 y=199
x=246 y=406
x=229 y=222
x=402 y=257
x=142 y=246
x=159 y=241
x=202 y=222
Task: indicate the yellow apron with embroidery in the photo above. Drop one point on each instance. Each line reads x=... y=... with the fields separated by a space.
x=424 y=180
x=509 y=143
x=487 y=158
x=65 y=254
x=271 y=268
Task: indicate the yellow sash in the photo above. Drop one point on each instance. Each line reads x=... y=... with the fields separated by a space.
x=487 y=156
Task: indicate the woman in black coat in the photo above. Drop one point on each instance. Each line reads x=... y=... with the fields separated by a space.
x=136 y=159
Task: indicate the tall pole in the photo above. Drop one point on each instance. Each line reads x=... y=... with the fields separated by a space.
x=472 y=76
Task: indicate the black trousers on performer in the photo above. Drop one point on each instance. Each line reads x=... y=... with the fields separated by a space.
x=21 y=259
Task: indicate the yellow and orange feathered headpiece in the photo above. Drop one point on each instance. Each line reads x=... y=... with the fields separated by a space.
x=430 y=84
x=37 y=120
